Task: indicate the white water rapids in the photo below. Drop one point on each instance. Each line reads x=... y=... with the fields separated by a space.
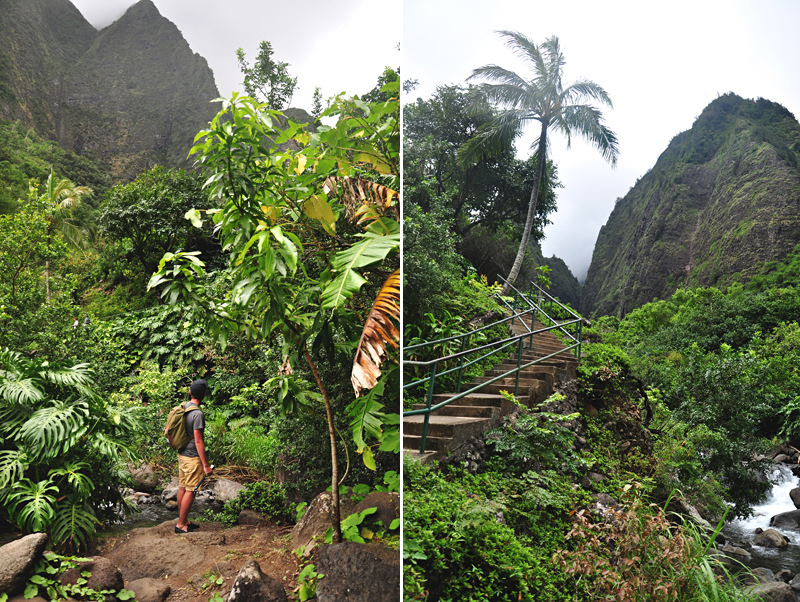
x=777 y=501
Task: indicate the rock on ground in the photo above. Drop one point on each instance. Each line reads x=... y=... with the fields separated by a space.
x=795 y=495
x=157 y=552
x=317 y=518
x=144 y=478
x=105 y=575
x=225 y=490
x=358 y=572
x=149 y=590
x=387 y=504
x=251 y=517
x=252 y=585
x=17 y=559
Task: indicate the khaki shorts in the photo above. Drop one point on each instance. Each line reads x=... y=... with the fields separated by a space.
x=190 y=472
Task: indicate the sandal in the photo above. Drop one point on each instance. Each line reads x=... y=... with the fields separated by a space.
x=177 y=530
x=193 y=527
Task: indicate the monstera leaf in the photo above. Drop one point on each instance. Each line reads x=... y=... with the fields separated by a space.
x=33 y=504
x=54 y=429
x=73 y=525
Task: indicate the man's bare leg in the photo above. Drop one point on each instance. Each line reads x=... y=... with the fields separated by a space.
x=185 y=500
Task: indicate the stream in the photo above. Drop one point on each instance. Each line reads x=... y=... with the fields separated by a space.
x=743 y=530
x=153 y=512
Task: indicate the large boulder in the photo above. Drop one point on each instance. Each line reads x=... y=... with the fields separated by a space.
x=17 y=559
x=144 y=479
x=387 y=504
x=149 y=590
x=252 y=585
x=358 y=572
x=318 y=517
x=795 y=495
x=225 y=490
x=786 y=520
x=104 y=574
x=772 y=592
x=771 y=539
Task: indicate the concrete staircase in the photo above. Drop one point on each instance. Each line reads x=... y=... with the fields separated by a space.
x=476 y=413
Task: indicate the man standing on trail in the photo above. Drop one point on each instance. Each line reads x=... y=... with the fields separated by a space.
x=192 y=462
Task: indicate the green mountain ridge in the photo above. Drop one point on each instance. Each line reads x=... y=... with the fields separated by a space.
x=721 y=202
x=131 y=95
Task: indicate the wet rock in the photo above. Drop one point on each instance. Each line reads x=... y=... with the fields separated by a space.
x=795 y=495
x=17 y=559
x=780 y=459
x=759 y=575
x=770 y=539
x=784 y=575
x=758 y=531
x=795 y=582
x=358 y=572
x=786 y=520
x=735 y=553
x=772 y=592
x=149 y=590
x=252 y=585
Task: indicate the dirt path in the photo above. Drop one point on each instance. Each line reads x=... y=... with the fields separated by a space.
x=199 y=559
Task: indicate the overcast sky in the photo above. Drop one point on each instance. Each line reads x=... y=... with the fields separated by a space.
x=661 y=63
x=340 y=46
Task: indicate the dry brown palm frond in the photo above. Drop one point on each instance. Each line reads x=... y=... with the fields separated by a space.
x=356 y=194
x=379 y=330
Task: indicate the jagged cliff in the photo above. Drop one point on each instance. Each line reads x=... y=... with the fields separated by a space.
x=131 y=95
x=720 y=202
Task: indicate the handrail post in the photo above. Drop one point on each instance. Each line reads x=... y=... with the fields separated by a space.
x=580 y=339
x=513 y=309
x=460 y=365
x=426 y=421
x=519 y=363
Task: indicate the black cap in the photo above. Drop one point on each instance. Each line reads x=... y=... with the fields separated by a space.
x=198 y=388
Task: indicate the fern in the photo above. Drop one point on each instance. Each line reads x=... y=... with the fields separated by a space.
x=53 y=430
x=12 y=466
x=32 y=505
x=73 y=526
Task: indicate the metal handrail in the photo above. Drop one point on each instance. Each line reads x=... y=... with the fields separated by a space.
x=496 y=347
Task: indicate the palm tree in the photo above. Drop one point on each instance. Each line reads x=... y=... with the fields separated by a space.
x=542 y=99
x=59 y=199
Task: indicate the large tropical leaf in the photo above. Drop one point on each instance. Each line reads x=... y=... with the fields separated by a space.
x=381 y=238
x=12 y=466
x=12 y=417
x=73 y=525
x=54 y=429
x=379 y=330
x=80 y=482
x=32 y=505
x=16 y=390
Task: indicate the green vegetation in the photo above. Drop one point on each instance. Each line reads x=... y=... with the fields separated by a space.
x=269 y=80
x=76 y=401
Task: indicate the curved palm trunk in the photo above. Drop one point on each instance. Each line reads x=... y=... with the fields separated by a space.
x=526 y=233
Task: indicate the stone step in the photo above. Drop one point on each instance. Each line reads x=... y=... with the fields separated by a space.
x=473 y=399
x=492 y=412
x=445 y=426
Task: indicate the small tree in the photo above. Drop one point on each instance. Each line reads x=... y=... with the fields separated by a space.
x=267 y=80
x=303 y=290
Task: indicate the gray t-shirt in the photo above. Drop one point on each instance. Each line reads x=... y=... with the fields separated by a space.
x=194 y=422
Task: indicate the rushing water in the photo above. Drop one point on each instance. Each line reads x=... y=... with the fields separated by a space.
x=743 y=530
x=155 y=513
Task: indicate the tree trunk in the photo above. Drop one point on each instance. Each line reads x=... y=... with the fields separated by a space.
x=337 y=526
x=541 y=158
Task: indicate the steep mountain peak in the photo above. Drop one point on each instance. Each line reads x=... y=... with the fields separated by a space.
x=720 y=203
